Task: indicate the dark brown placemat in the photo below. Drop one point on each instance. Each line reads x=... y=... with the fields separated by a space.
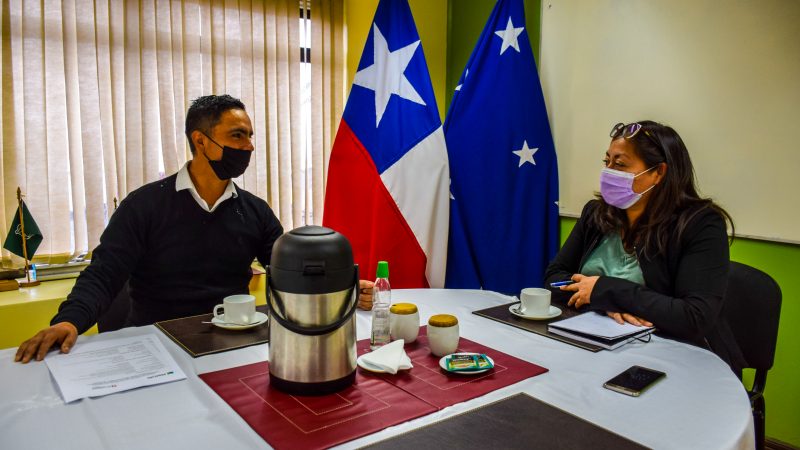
x=519 y=421
x=502 y=314
x=199 y=338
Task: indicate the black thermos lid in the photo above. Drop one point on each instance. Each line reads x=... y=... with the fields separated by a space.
x=312 y=260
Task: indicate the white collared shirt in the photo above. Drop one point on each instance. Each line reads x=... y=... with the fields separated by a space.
x=184 y=181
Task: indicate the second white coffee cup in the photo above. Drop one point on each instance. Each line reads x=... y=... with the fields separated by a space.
x=239 y=309
x=534 y=301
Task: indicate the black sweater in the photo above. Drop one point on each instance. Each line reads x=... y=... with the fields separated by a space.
x=684 y=288
x=180 y=259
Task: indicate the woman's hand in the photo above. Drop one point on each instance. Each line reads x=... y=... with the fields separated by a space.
x=621 y=318
x=365 y=294
x=582 y=288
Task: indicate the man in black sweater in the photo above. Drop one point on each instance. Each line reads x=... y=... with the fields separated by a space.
x=183 y=242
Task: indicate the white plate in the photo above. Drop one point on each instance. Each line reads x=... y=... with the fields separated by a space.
x=260 y=317
x=443 y=364
x=369 y=367
x=553 y=312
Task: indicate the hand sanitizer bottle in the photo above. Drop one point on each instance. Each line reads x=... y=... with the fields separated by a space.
x=381 y=301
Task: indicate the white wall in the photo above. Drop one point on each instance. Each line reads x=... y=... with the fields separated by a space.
x=724 y=74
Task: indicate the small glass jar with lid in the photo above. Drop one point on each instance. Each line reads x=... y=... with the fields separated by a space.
x=404 y=322
x=443 y=334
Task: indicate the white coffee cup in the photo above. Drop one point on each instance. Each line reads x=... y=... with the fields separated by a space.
x=239 y=309
x=534 y=302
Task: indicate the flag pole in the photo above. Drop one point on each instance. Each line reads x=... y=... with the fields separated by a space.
x=27 y=283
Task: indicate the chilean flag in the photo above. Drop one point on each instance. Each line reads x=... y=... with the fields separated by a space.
x=388 y=177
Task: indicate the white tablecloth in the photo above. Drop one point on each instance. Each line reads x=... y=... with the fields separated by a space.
x=700 y=404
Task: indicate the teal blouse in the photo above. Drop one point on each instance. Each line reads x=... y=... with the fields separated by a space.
x=610 y=259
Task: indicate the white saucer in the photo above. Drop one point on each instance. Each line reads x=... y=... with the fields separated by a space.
x=554 y=312
x=443 y=364
x=260 y=317
x=369 y=367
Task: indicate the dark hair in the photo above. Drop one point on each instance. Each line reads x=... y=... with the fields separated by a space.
x=205 y=112
x=671 y=205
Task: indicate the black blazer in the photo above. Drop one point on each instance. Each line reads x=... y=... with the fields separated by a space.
x=684 y=288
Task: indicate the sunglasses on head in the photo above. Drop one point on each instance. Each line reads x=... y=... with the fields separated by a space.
x=630 y=130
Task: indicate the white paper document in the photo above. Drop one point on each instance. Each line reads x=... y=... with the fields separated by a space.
x=600 y=325
x=94 y=369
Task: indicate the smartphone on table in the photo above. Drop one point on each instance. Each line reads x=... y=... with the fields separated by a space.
x=634 y=380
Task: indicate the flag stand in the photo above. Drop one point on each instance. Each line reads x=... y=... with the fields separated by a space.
x=28 y=282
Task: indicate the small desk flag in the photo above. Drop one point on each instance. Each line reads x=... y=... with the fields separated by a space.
x=33 y=236
x=388 y=176
x=503 y=210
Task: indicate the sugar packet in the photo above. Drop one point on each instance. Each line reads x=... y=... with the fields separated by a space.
x=467 y=362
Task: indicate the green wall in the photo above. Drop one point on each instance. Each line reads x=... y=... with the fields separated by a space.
x=783 y=390
x=466 y=19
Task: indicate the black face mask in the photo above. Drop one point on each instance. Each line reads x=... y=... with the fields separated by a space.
x=232 y=164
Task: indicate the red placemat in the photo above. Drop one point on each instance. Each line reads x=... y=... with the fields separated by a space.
x=374 y=402
x=293 y=421
x=442 y=389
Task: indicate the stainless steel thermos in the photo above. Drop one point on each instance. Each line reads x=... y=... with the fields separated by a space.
x=312 y=293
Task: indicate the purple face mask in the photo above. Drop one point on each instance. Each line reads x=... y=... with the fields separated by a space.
x=616 y=187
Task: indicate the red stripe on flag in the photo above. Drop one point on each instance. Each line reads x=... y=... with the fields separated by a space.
x=358 y=205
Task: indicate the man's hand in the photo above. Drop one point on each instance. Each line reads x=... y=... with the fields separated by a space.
x=365 y=294
x=63 y=334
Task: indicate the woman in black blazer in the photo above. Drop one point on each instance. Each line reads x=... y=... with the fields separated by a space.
x=649 y=250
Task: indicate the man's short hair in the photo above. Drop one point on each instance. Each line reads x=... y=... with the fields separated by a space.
x=205 y=113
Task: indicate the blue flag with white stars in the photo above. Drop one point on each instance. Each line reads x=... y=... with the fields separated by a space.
x=503 y=169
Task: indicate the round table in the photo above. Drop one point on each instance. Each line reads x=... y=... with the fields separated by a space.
x=700 y=404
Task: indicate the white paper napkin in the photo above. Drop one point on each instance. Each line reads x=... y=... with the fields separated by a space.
x=391 y=357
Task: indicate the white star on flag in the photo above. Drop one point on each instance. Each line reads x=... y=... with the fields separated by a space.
x=525 y=154
x=385 y=75
x=509 y=36
x=466 y=74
